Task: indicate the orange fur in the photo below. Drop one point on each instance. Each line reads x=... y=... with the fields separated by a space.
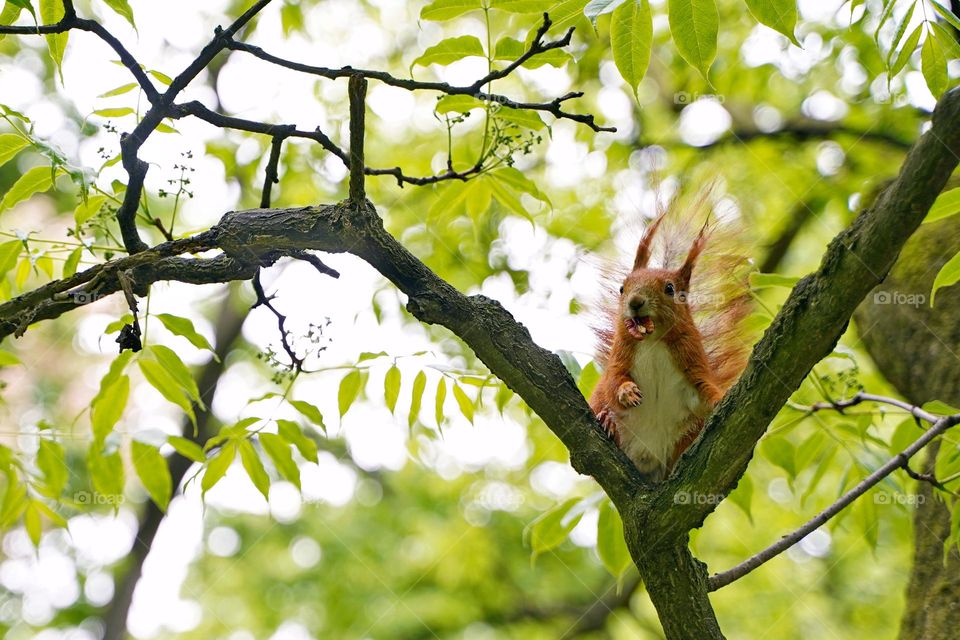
x=697 y=309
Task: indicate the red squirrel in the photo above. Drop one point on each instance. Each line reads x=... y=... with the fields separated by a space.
x=663 y=372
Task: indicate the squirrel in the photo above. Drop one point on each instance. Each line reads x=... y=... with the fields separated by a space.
x=663 y=371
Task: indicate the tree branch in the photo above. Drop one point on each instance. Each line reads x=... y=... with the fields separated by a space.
x=247 y=237
x=810 y=323
x=940 y=424
x=553 y=107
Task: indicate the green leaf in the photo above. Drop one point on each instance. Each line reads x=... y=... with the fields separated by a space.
x=694 y=25
x=631 y=38
x=7 y=359
x=88 y=209
x=933 y=64
x=450 y=50
x=946 y=14
x=108 y=405
x=32 y=523
x=763 y=280
x=448 y=9
x=251 y=462
x=35 y=180
x=742 y=496
x=901 y=30
x=114 y=112
x=11 y=11
x=72 y=262
x=552 y=528
x=50 y=12
x=119 y=91
x=510 y=49
x=439 y=400
x=106 y=474
x=51 y=460
x=151 y=468
x=459 y=104
x=187 y=448
x=565 y=14
x=948 y=276
x=779 y=15
x=451 y=198
x=522 y=6
x=184 y=328
x=464 y=402
x=506 y=196
x=51 y=515
x=310 y=412
x=907 y=50
x=780 y=452
x=516 y=179
x=588 y=379
x=903 y=436
x=597 y=8
x=177 y=369
x=14 y=502
x=416 y=398
x=946 y=40
x=349 y=390
x=291 y=432
x=9 y=253
x=163 y=382
x=162 y=77
x=522 y=117
x=218 y=466
x=10 y=145
x=122 y=8
x=279 y=451
x=610 y=544
x=391 y=388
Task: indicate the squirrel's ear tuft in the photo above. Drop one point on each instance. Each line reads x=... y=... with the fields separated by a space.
x=686 y=269
x=644 y=249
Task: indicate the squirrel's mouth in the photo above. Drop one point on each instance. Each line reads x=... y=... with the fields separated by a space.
x=639 y=327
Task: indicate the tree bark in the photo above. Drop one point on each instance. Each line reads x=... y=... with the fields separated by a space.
x=677 y=584
x=915 y=347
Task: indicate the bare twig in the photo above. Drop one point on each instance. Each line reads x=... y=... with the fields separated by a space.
x=270 y=176
x=263 y=300
x=553 y=107
x=940 y=424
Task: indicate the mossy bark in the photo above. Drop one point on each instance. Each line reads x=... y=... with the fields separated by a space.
x=915 y=347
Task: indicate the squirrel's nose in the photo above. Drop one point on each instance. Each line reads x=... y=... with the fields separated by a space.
x=637 y=303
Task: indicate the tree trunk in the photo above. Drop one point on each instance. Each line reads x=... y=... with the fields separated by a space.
x=915 y=347
x=677 y=584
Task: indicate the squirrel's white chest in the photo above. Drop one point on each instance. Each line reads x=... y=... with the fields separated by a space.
x=653 y=429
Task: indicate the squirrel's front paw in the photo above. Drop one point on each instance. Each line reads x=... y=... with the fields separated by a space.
x=628 y=394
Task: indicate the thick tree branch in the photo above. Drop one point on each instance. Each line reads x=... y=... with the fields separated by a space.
x=810 y=323
x=247 y=237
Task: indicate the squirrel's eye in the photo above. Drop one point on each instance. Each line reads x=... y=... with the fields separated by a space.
x=621 y=289
x=669 y=289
